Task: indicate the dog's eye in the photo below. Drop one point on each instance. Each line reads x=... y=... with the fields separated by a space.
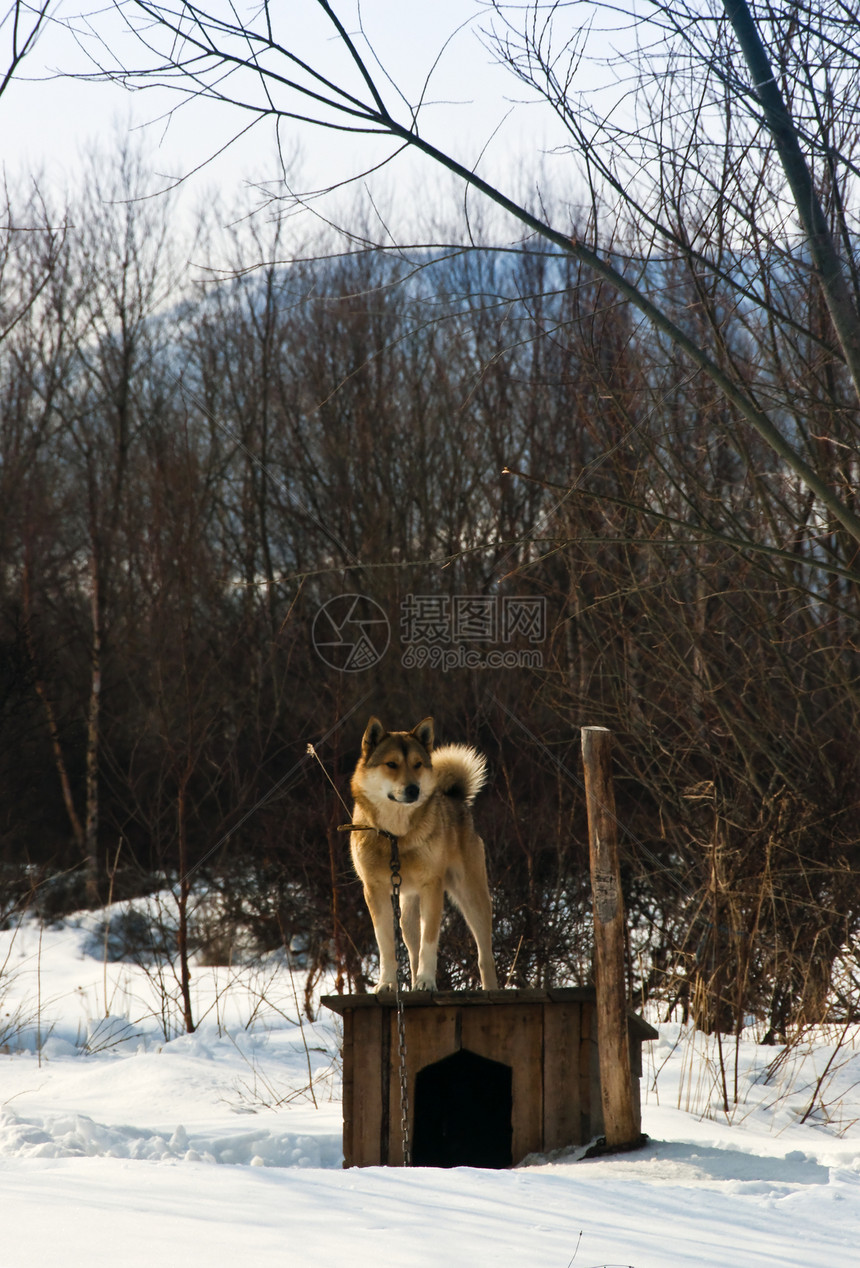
x=391 y=765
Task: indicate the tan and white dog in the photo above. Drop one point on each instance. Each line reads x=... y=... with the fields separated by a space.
x=422 y=796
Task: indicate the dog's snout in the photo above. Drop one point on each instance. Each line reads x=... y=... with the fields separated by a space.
x=411 y=792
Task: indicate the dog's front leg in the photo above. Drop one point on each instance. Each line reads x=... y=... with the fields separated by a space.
x=379 y=905
x=431 y=899
x=409 y=923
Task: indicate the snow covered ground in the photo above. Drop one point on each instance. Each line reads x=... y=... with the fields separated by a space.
x=118 y=1145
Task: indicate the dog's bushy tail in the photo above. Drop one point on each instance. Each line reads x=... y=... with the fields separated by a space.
x=460 y=771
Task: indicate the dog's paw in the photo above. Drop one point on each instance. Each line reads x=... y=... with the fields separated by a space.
x=383 y=987
x=424 y=984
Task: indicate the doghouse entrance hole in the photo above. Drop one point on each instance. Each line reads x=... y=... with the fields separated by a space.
x=463 y=1112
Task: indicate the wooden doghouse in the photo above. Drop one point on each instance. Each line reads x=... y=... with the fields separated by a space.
x=492 y=1075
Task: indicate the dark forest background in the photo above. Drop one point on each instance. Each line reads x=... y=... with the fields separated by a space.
x=190 y=470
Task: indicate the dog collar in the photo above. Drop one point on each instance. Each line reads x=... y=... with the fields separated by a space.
x=368 y=827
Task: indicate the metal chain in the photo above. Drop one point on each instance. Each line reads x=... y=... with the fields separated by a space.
x=396 y=881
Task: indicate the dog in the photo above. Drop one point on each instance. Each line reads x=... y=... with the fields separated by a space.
x=423 y=797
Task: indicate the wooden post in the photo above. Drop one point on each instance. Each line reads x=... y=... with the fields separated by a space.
x=616 y=1081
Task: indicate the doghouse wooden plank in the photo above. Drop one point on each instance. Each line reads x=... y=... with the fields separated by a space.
x=394 y=1116
x=391 y=1149
x=562 y=1107
x=431 y=1034
x=368 y=1029
x=636 y=1069
x=348 y=1089
x=589 y=1075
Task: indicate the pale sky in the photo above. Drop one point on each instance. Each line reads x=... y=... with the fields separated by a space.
x=51 y=120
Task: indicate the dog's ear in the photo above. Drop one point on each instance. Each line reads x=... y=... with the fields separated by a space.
x=423 y=733
x=373 y=735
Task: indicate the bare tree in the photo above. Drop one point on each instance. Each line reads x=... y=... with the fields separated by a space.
x=262 y=65
x=20 y=28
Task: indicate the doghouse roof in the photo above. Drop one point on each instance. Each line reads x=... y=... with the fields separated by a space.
x=639 y=1028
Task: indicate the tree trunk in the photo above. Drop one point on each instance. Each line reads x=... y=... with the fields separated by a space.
x=53 y=730
x=182 y=905
x=91 y=832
